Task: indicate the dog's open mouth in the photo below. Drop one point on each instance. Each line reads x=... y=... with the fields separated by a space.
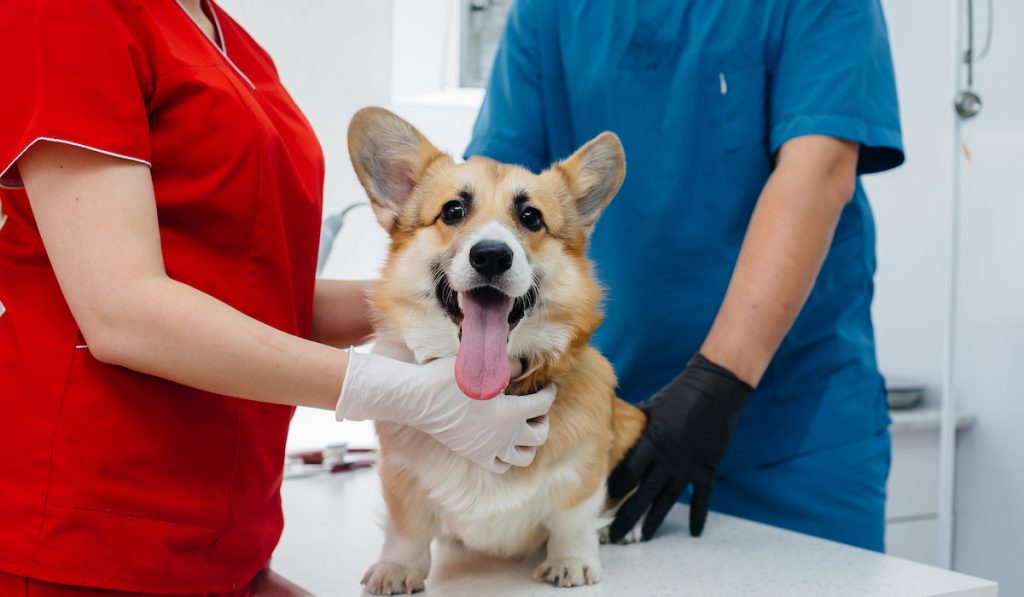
x=485 y=316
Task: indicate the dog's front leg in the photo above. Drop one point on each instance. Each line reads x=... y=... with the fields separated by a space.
x=403 y=564
x=411 y=526
x=572 y=550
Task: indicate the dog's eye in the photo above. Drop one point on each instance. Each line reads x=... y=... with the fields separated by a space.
x=531 y=219
x=452 y=213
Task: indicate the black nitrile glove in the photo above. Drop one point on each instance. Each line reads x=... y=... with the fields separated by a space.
x=689 y=424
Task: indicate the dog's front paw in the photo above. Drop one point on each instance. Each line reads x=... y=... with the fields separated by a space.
x=389 y=578
x=569 y=572
x=635 y=535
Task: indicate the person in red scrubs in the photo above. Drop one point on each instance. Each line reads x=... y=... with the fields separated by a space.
x=159 y=313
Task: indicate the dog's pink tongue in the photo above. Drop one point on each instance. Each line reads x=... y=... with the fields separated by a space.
x=481 y=367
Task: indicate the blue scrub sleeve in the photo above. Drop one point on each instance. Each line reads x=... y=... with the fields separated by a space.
x=833 y=75
x=510 y=125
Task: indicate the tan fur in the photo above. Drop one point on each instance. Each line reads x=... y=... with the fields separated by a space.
x=402 y=495
x=590 y=429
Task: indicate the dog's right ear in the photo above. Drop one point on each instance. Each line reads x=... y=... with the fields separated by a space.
x=594 y=173
x=390 y=157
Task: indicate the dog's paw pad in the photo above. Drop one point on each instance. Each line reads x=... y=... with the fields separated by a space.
x=389 y=578
x=570 y=572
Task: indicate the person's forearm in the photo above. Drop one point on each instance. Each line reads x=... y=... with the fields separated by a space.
x=786 y=242
x=173 y=331
x=341 y=313
x=97 y=217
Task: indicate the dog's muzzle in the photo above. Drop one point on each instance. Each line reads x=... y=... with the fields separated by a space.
x=449 y=299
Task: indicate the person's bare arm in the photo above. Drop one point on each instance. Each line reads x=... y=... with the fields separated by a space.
x=786 y=242
x=691 y=420
x=341 y=313
x=97 y=218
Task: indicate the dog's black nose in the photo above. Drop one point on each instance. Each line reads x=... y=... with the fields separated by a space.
x=490 y=258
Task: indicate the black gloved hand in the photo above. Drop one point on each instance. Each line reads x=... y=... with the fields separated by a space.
x=689 y=424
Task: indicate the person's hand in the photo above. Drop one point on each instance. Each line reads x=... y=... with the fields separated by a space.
x=495 y=434
x=689 y=424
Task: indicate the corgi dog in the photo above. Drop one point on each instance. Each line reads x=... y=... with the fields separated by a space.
x=487 y=263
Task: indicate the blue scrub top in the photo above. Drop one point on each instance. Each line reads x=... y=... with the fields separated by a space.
x=703 y=94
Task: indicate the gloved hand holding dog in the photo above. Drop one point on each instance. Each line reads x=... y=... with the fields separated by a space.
x=496 y=434
x=689 y=424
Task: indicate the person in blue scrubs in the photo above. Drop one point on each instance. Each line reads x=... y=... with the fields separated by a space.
x=740 y=252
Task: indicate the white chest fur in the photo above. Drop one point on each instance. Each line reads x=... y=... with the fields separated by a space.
x=503 y=515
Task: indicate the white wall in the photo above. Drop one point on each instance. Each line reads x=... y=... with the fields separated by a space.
x=913 y=203
x=989 y=532
x=426 y=46
x=913 y=206
x=426 y=73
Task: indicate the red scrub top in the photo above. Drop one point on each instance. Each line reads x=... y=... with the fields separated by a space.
x=108 y=477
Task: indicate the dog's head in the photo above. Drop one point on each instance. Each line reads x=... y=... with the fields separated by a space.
x=487 y=261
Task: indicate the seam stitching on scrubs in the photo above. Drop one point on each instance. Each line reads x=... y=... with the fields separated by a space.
x=222 y=47
x=796 y=118
x=34 y=562
x=18 y=567
x=231 y=501
x=865 y=127
x=132 y=515
x=259 y=179
x=162 y=74
x=3 y=173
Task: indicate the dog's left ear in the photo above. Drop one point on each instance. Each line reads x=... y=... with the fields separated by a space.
x=595 y=173
x=390 y=157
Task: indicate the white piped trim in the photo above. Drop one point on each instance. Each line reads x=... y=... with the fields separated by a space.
x=79 y=346
x=7 y=183
x=222 y=47
x=3 y=309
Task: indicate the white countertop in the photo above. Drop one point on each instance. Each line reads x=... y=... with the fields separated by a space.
x=332 y=534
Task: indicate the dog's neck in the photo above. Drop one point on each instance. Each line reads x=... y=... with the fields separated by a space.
x=541 y=370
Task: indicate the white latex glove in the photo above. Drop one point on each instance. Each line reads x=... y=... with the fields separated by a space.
x=495 y=434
